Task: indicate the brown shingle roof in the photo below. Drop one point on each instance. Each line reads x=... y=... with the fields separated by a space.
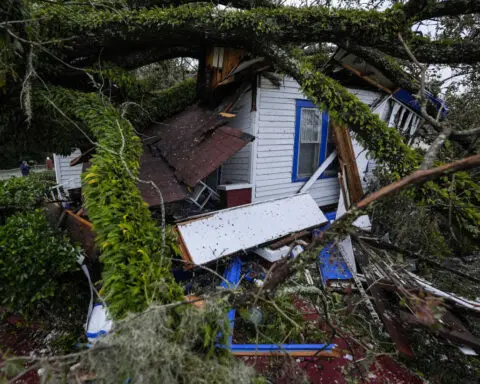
x=184 y=150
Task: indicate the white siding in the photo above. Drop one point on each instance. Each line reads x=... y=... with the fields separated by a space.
x=65 y=174
x=275 y=134
x=237 y=168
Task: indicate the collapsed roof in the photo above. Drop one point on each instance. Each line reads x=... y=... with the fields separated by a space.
x=363 y=70
x=185 y=149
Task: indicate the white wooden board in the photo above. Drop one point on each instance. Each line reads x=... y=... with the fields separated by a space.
x=231 y=230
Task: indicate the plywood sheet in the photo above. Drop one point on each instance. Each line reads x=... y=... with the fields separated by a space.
x=232 y=230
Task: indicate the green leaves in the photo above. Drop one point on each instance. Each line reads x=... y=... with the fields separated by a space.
x=384 y=143
x=136 y=266
x=24 y=193
x=33 y=257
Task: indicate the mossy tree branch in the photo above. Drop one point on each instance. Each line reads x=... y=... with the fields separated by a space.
x=427 y=9
x=385 y=143
x=136 y=265
x=184 y=29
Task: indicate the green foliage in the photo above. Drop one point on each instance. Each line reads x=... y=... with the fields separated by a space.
x=136 y=265
x=33 y=257
x=146 y=350
x=440 y=218
x=158 y=105
x=24 y=193
x=410 y=225
x=262 y=22
x=278 y=321
x=456 y=201
x=439 y=363
x=384 y=143
x=167 y=73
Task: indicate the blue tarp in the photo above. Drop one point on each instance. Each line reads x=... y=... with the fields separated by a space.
x=266 y=348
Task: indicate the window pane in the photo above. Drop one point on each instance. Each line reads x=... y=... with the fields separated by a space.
x=307 y=159
x=310 y=125
x=332 y=170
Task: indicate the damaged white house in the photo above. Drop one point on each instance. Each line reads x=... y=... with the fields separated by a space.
x=255 y=137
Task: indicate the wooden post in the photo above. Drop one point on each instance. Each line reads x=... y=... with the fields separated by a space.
x=348 y=163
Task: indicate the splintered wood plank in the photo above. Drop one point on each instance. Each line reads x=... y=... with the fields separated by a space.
x=348 y=163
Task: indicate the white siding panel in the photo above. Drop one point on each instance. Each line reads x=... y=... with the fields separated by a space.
x=274 y=127
x=237 y=168
x=277 y=118
x=273 y=154
x=275 y=134
x=274 y=164
x=284 y=176
x=277 y=105
x=69 y=176
x=274 y=168
x=367 y=97
x=266 y=141
x=269 y=183
x=277 y=112
x=270 y=160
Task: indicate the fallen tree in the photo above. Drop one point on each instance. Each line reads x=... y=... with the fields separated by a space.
x=58 y=56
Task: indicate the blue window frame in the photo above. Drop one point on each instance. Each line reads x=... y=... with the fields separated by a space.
x=312 y=142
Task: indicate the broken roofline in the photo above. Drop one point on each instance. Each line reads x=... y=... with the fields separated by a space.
x=355 y=66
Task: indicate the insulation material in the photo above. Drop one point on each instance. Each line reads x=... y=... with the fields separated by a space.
x=272 y=255
x=232 y=230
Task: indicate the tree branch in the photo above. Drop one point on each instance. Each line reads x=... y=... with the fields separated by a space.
x=467 y=132
x=420 y=177
x=428 y=9
x=286 y=268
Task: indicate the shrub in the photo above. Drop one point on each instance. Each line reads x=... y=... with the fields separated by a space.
x=33 y=257
x=24 y=193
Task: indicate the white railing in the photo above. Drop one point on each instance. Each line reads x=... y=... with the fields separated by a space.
x=60 y=191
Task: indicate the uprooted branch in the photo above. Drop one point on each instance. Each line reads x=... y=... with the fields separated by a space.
x=419 y=177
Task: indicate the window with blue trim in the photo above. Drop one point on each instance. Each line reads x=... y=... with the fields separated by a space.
x=313 y=142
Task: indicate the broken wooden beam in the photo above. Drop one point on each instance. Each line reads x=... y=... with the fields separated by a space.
x=348 y=163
